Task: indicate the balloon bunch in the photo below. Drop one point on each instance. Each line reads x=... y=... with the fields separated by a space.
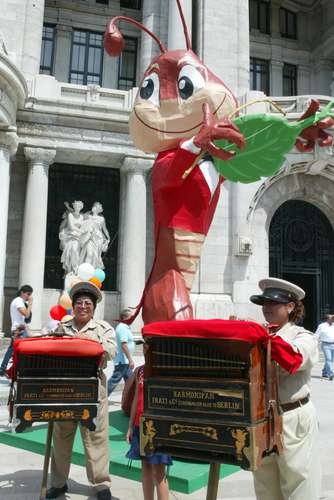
x=86 y=272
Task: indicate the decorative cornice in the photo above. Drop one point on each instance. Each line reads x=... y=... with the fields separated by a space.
x=9 y=140
x=323 y=167
x=14 y=79
x=136 y=165
x=64 y=29
x=40 y=155
x=302 y=5
x=276 y=63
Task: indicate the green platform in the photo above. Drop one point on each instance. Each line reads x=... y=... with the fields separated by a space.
x=183 y=477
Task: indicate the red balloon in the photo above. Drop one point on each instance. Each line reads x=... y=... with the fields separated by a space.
x=57 y=312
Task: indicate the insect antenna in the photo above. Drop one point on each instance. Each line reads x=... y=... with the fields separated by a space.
x=114 y=40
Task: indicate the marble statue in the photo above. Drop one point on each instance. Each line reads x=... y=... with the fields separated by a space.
x=83 y=237
x=94 y=238
x=69 y=236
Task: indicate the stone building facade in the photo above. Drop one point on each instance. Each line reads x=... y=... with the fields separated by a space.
x=64 y=107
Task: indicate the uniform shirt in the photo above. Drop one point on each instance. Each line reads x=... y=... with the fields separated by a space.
x=297 y=386
x=97 y=330
x=16 y=317
x=325 y=332
x=123 y=334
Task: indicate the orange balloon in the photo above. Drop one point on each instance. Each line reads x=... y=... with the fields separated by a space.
x=96 y=282
x=65 y=301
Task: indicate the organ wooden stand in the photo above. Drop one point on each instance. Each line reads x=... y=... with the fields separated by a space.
x=210 y=394
x=54 y=379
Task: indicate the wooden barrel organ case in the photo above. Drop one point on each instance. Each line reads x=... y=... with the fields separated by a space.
x=55 y=379
x=210 y=393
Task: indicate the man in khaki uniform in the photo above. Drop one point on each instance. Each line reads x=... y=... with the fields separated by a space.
x=295 y=473
x=84 y=297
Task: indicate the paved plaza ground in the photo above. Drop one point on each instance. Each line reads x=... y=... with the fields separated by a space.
x=20 y=471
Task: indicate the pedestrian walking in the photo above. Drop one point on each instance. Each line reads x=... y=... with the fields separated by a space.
x=20 y=315
x=325 y=335
x=123 y=362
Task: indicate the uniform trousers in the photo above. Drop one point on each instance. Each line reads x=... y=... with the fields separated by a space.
x=328 y=350
x=295 y=474
x=96 y=445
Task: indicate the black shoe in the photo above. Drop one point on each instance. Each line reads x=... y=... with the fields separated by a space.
x=56 y=492
x=105 y=495
x=331 y=377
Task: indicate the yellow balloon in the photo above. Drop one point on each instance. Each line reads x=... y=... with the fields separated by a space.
x=65 y=301
x=66 y=318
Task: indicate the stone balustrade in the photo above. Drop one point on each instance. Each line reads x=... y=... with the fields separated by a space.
x=47 y=92
x=294 y=106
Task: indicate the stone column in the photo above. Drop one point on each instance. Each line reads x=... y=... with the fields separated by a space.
x=276 y=78
x=8 y=147
x=275 y=24
x=303 y=79
x=176 y=39
x=63 y=52
x=33 y=26
x=34 y=227
x=219 y=21
x=247 y=251
x=154 y=17
x=322 y=77
x=133 y=232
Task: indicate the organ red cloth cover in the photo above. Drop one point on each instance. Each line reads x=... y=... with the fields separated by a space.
x=245 y=331
x=59 y=346
x=283 y=353
x=55 y=346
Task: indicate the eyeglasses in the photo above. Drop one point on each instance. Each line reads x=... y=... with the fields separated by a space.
x=84 y=303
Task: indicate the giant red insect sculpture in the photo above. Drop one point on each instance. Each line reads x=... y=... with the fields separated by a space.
x=180 y=110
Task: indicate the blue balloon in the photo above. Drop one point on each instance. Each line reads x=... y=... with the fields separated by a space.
x=100 y=274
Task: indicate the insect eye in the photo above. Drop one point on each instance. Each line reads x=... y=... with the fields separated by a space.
x=186 y=87
x=147 y=89
x=190 y=81
x=150 y=89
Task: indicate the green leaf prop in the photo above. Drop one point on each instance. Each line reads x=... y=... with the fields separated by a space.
x=268 y=140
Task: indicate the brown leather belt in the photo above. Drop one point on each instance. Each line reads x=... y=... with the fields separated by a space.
x=295 y=404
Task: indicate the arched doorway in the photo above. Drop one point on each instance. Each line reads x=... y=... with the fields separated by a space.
x=301 y=250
